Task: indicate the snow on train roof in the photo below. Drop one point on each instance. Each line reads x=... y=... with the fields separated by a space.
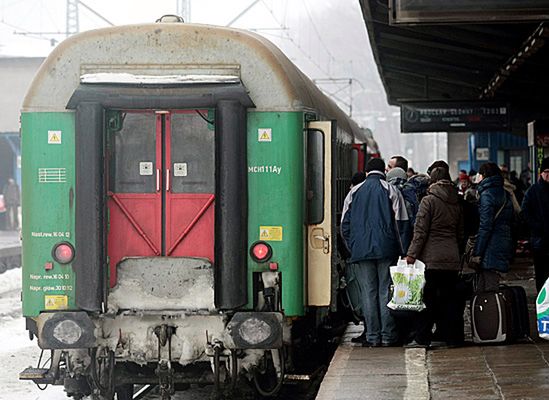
x=133 y=79
x=181 y=50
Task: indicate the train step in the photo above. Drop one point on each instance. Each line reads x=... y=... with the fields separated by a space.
x=34 y=374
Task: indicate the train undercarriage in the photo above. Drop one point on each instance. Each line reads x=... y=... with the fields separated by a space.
x=114 y=352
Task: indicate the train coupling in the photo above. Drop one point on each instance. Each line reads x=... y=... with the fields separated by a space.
x=164 y=371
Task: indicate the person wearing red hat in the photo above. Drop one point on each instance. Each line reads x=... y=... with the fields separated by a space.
x=464 y=183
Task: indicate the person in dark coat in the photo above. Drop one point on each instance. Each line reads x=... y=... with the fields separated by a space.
x=370 y=231
x=12 y=201
x=535 y=209
x=437 y=234
x=493 y=247
x=397 y=177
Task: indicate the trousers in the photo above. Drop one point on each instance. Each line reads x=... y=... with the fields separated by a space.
x=541 y=266
x=444 y=307
x=375 y=280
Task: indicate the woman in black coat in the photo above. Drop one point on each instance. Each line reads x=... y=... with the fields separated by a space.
x=493 y=248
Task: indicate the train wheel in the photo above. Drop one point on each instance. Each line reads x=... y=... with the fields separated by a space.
x=124 y=392
x=267 y=380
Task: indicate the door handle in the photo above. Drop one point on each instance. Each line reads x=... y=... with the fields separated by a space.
x=167 y=180
x=157 y=180
x=326 y=245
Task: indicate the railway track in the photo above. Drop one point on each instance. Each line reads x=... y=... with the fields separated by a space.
x=10 y=257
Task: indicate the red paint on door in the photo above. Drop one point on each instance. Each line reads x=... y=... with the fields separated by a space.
x=135 y=219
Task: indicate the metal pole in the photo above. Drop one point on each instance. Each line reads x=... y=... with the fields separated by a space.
x=72 y=24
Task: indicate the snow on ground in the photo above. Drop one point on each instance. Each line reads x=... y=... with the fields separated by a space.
x=16 y=350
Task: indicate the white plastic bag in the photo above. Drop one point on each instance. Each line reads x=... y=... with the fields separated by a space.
x=408 y=284
x=542 y=308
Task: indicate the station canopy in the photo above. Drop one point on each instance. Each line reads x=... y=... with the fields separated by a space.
x=477 y=53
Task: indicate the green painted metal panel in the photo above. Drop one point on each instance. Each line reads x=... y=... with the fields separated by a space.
x=276 y=199
x=47 y=150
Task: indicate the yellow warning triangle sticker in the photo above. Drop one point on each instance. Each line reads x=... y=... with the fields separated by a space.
x=265 y=136
x=264 y=233
x=54 y=138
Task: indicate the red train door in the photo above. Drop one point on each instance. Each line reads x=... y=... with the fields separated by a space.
x=190 y=185
x=161 y=185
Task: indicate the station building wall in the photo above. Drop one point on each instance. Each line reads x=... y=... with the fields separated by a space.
x=16 y=74
x=499 y=147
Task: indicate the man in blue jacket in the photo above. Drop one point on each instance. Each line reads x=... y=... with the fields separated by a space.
x=370 y=230
x=535 y=208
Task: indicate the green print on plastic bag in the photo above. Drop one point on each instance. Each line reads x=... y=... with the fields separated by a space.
x=413 y=286
x=408 y=285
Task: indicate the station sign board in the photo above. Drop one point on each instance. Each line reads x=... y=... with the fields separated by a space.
x=454 y=117
x=456 y=11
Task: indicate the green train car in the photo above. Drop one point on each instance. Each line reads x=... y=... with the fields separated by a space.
x=182 y=186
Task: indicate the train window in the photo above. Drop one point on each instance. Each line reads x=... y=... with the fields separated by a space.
x=315 y=177
x=192 y=146
x=354 y=160
x=132 y=144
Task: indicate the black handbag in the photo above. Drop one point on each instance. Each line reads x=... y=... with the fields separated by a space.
x=467 y=257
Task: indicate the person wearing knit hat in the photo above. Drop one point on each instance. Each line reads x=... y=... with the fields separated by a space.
x=396 y=173
x=535 y=209
x=438 y=163
x=397 y=177
x=369 y=229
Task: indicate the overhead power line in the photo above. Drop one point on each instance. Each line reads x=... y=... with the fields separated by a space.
x=95 y=13
x=291 y=39
x=243 y=12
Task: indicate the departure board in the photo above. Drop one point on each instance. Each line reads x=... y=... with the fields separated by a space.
x=445 y=11
x=454 y=117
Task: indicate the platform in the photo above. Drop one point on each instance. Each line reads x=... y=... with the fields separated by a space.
x=10 y=250
x=518 y=371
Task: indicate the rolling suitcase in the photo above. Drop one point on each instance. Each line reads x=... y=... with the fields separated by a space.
x=491 y=318
x=519 y=307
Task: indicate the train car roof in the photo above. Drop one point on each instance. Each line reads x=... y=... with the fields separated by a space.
x=180 y=49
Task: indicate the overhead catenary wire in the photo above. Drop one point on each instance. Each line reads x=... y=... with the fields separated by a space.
x=292 y=40
x=40 y=33
x=330 y=55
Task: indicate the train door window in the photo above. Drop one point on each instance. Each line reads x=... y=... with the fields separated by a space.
x=133 y=153
x=354 y=160
x=192 y=153
x=315 y=177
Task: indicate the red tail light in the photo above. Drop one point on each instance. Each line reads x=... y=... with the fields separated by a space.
x=63 y=253
x=261 y=252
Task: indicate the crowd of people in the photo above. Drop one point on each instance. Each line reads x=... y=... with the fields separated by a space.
x=392 y=212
